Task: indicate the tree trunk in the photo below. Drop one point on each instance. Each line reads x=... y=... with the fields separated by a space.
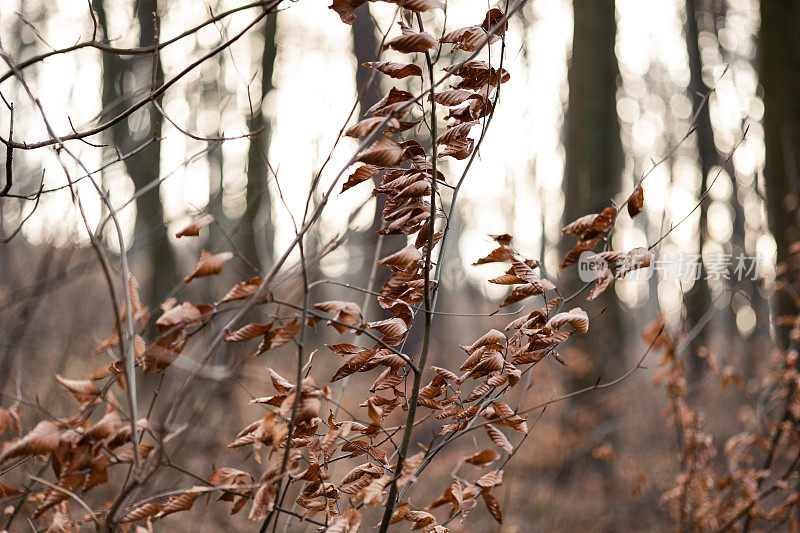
x=779 y=42
x=365 y=46
x=151 y=246
x=256 y=230
x=698 y=299
x=592 y=172
x=362 y=243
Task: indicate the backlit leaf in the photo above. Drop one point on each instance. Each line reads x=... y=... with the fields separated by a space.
x=209 y=265
x=193 y=229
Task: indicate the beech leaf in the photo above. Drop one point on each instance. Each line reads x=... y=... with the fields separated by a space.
x=193 y=229
x=209 y=265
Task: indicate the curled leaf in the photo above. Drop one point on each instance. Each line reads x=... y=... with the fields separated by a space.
x=498 y=438
x=361 y=174
x=483 y=458
x=395 y=70
x=589 y=226
x=209 y=265
x=44 y=438
x=182 y=502
x=141 y=512
x=636 y=202
x=278 y=337
x=402 y=258
x=384 y=152
x=83 y=390
x=346 y=9
x=250 y=331
x=576 y=318
x=411 y=42
x=241 y=290
x=193 y=229
x=366 y=126
x=469 y=38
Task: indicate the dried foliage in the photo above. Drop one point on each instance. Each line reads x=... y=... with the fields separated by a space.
x=340 y=465
x=750 y=481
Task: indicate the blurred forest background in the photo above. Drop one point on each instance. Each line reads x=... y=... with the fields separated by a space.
x=600 y=90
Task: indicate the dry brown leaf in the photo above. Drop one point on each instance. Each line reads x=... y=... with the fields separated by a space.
x=577 y=318
x=366 y=126
x=478 y=75
x=636 y=202
x=446 y=374
x=490 y=480
x=278 y=337
x=9 y=420
x=193 y=229
x=83 y=390
x=454 y=97
x=395 y=70
x=389 y=379
x=361 y=174
x=232 y=479
x=141 y=512
x=280 y=383
x=391 y=327
x=106 y=426
x=250 y=331
x=498 y=438
x=589 y=226
x=499 y=255
x=141 y=313
x=415 y=190
x=344 y=348
x=602 y=283
x=541 y=340
x=492 y=338
x=575 y=254
x=241 y=290
x=373 y=493
x=384 y=152
x=483 y=458
x=346 y=9
x=507 y=279
x=347 y=522
x=182 y=502
x=44 y=438
x=402 y=258
x=637 y=258
x=532 y=289
x=182 y=314
x=456 y=132
x=345 y=314
x=411 y=42
x=458 y=148
x=468 y=38
x=209 y=265
x=5 y=492
x=493 y=17
x=493 y=506
x=354 y=364
x=395 y=101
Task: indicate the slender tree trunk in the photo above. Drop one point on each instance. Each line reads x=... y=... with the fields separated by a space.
x=365 y=47
x=145 y=167
x=698 y=299
x=256 y=230
x=151 y=246
x=779 y=41
x=592 y=173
